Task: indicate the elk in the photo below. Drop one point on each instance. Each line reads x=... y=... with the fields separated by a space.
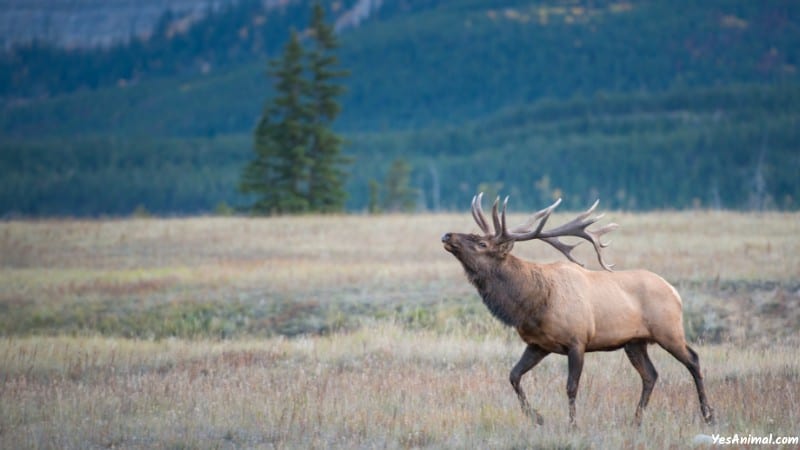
x=566 y=309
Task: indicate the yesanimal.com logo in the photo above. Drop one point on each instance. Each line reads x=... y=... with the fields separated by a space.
x=746 y=439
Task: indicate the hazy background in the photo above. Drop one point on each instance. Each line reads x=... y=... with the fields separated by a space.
x=107 y=107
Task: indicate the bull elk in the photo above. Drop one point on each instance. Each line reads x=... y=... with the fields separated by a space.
x=566 y=309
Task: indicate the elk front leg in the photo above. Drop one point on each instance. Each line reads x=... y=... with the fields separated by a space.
x=575 y=367
x=533 y=354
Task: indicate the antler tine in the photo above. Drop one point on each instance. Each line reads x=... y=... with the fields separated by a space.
x=589 y=211
x=601 y=231
x=564 y=248
x=477 y=213
x=523 y=229
x=499 y=225
x=503 y=232
x=577 y=228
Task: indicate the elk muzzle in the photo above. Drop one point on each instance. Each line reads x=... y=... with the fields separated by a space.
x=448 y=239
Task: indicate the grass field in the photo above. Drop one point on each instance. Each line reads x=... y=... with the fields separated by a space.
x=361 y=332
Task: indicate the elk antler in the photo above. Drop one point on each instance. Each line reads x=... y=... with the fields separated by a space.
x=577 y=227
x=480 y=219
x=477 y=213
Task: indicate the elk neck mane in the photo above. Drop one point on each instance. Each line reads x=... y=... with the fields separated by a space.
x=513 y=290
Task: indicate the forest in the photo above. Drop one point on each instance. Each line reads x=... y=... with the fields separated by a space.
x=532 y=99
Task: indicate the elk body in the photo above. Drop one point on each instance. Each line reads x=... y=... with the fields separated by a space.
x=565 y=309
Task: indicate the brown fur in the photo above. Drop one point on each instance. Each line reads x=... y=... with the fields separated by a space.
x=563 y=308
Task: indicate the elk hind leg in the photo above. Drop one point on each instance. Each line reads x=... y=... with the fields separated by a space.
x=530 y=358
x=689 y=358
x=575 y=367
x=637 y=354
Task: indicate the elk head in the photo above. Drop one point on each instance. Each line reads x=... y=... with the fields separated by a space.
x=479 y=253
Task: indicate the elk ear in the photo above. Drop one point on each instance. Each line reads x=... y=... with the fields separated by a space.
x=504 y=248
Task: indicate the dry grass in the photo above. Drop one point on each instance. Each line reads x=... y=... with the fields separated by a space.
x=381 y=386
x=339 y=250
x=408 y=356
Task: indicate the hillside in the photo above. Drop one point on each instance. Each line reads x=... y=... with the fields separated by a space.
x=434 y=65
x=532 y=98
x=89 y=23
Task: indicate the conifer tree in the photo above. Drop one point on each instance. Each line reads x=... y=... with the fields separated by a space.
x=326 y=179
x=298 y=165
x=278 y=175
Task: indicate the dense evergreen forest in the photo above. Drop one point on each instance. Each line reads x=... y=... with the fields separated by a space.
x=654 y=104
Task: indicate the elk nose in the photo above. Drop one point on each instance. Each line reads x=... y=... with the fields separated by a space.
x=446 y=237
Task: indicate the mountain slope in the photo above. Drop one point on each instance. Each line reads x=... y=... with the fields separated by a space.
x=460 y=60
x=648 y=104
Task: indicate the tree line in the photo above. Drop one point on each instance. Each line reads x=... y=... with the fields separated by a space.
x=732 y=147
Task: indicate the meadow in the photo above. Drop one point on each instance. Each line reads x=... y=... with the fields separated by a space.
x=362 y=332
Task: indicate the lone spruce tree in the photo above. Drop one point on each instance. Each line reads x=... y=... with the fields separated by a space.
x=326 y=180
x=298 y=165
x=278 y=175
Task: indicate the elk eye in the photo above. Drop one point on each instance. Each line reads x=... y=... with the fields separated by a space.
x=482 y=244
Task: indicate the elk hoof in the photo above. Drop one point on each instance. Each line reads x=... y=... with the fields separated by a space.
x=708 y=415
x=535 y=417
x=637 y=419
